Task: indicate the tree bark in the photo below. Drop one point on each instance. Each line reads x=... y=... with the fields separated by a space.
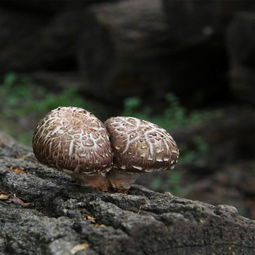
x=43 y=211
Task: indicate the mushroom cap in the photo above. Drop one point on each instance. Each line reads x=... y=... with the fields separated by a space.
x=72 y=138
x=141 y=146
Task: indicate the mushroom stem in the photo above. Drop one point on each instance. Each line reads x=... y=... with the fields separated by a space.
x=121 y=181
x=97 y=182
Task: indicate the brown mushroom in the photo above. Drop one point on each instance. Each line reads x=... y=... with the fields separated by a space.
x=139 y=146
x=72 y=139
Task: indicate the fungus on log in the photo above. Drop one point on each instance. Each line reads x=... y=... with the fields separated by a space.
x=72 y=139
x=59 y=217
x=138 y=146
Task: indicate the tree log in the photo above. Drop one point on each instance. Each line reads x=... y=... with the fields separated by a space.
x=121 y=46
x=43 y=211
x=129 y=47
x=240 y=42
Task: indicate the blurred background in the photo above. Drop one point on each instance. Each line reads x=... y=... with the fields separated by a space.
x=187 y=65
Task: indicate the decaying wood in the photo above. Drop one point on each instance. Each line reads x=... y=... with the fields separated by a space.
x=43 y=211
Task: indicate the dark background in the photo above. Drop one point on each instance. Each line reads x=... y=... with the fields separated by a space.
x=187 y=65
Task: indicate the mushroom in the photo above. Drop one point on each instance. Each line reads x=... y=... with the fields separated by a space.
x=73 y=140
x=138 y=146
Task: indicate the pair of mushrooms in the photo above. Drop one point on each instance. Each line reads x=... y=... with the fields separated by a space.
x=105 y=156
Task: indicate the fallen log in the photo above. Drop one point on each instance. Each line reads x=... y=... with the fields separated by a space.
x=44 y=211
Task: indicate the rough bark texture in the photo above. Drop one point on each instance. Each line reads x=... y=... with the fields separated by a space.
x=43 y=211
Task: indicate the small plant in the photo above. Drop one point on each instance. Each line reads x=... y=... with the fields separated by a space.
x=14 y=92
x=189 y=156
x=20 y=98
x=50 y=101
x=175 y=116
x=173 y=184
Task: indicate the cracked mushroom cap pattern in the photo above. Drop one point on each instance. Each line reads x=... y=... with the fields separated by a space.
x=140 y=145
x=74 y=139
